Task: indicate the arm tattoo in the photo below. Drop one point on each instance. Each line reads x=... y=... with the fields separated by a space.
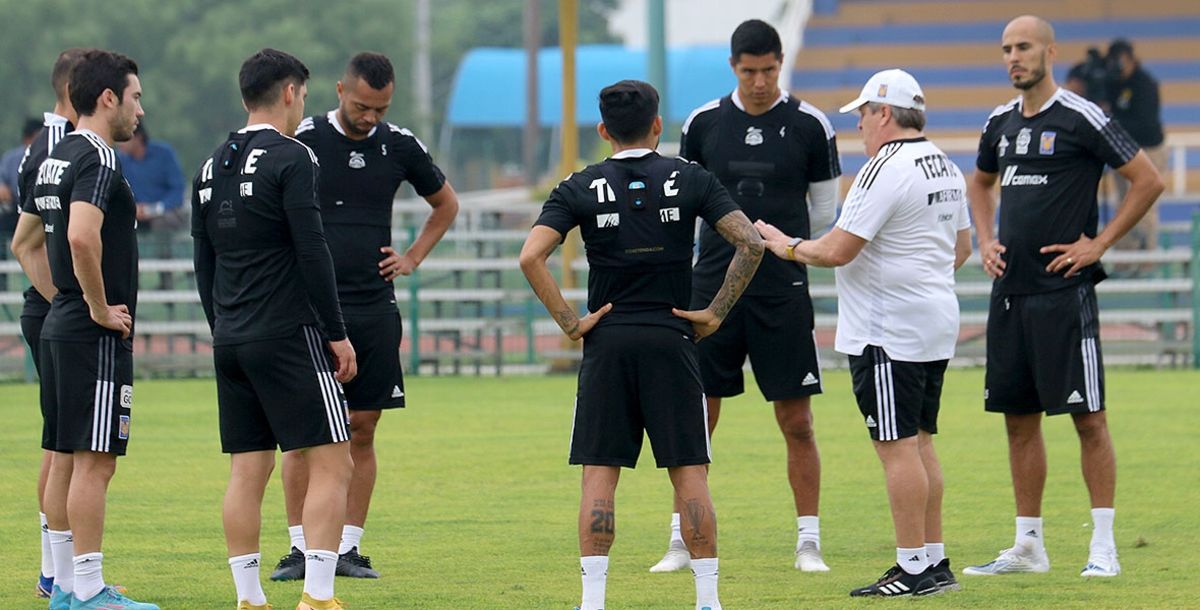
x=567 y=320
x=737 y=230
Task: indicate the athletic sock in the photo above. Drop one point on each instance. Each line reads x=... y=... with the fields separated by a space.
x=705 y=572
x=1029 y=533
x=47 y=556
x=676 y=535
x=1102 y=529
x=808 y=529
x=245 y=578
x=296 y=533
x=935 y=551
x=89 y=575
x=62 y=549
x=319 y=568
x=594 y=569
x=912 y=561
x=351 y=537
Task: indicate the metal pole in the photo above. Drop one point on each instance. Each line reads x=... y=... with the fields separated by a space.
x=414 y=314
x=656 y=53
x=1196 y=290
x=533 y=40
x=422 y=72
x=568 y=36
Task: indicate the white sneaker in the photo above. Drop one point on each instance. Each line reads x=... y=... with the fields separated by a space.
x=1018 y=559
x=808 y=558
x=677 y=558
x=1102 y=563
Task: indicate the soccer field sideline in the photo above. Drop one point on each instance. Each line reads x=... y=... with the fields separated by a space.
x=476 y=507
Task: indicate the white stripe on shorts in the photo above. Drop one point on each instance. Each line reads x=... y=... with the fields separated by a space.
x=329 y=389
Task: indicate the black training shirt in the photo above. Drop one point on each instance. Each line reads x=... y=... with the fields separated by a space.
x=262 y=266
x=54 y=128
x=766 y=162
x=1050 y=166
x=84 y=168
x=637 y=216
x=358 y=182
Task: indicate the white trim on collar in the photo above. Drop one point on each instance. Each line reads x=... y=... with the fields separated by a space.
x=331 y=116
x=49 y=119
x=257 y=127
x=737 y=100
x=1050 y=102
x=632 y=153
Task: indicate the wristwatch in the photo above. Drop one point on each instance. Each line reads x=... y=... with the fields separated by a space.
x=791 y=247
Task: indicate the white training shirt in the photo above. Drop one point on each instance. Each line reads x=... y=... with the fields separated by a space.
x=909 y=202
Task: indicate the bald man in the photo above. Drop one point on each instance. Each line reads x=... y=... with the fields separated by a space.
x=1043 y=343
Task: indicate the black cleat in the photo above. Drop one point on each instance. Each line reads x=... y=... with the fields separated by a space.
x=898 y=583
x=944 y=576
x=354 y=565
x=291 y=566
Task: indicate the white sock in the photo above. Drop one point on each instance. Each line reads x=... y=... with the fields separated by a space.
x=595 y=575
x=808 y=529
x=676 y=535
x=47 y=557
x=912 y=561
x=89 y=575
x=705 y=571
x=1029 y=533
x=935 y=551
x=1102 y=529
x=351 y=537
x=296 y=533
x=245 y=578
x=319 y=567
x=62 y=549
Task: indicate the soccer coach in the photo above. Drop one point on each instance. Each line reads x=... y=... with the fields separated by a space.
x=904 y=229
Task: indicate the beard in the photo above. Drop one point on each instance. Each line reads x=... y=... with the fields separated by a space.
x=123 y=132
x=1034 y=77
x=351 y=127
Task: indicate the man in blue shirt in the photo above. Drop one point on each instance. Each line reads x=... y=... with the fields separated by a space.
x=154 y=174
x=9 y=163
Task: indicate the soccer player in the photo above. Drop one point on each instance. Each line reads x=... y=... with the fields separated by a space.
x=1043 y=339
x=769 y=150
x=904 y=230
x=266 y=283
x=363 y=161
x=89 y=221
x=29 y=247
x=636 y=213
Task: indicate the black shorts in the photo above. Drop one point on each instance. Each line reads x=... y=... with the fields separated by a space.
x=87 y=395
x=31 y=330
x=1043 y=353
x=380 y=382
x=636 y=378
x=896 y=398
x=279 y=392
x=777 y=333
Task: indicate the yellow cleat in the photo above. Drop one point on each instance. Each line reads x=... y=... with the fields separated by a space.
x=245 y=605
x=308 y=603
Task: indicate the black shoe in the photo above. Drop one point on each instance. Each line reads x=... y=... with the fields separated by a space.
x=944 y=576
x=354 y=565
x=291 y=566
x=898 y=583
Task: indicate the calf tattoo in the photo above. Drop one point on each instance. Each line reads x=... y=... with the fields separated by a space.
x=603 y=526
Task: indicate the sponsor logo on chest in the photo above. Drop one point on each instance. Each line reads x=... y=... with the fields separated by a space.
x=357 y=160
x=754 y=136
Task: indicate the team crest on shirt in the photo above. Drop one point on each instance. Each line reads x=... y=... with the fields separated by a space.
x=1023 y=139
x=357 y=160
x=754 y=136
x=1002 y=147
x=1047 y=144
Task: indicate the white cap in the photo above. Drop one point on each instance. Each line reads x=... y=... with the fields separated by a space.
x=892 y=87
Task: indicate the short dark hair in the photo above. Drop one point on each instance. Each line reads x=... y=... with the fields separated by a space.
x=30 y=128
x=628 y=109
x=1120 y=46
x=63 y=66
x=97 y=71
x=262 y=74
x=755 y=37
x=375 y=68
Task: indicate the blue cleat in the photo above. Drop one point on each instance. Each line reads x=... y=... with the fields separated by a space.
x=45 y=586
x=109 y=599
x=59 y=599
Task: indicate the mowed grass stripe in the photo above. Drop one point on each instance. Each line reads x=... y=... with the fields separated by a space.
x=476 y=508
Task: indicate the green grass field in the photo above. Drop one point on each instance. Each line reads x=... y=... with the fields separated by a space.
x=476 y=507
